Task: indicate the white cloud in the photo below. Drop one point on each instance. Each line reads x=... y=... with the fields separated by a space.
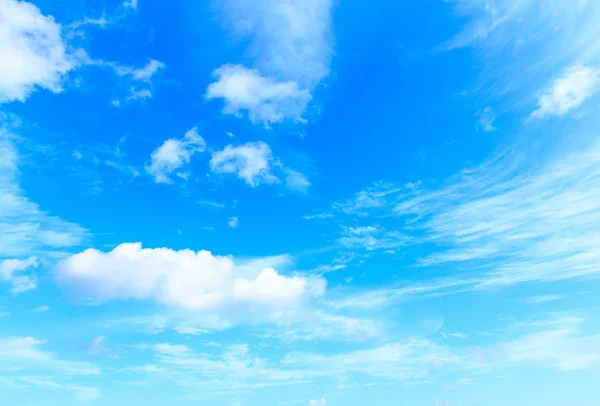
x=32 y=52
x=291 y=49
x=513 y=223
x=141 y=74
x=516 y=64
x=318 y=216
x=25 y=230
x=250 y=162
x=233 y=222
x=173 y=154
x=11 y=271
x=290 y=39
x=186 y=279
x=371 y=238
x=296 y=181
x=22 y=352
x=41 y=309
x=320 y=402
x=133 y=94
x=265 y=99
x=254 y=163
x=568 y=92
x=486 y=119
x=131 y=4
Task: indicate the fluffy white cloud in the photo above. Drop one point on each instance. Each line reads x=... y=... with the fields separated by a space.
x=320 y=402
x=291 y=46
x=568 y=92
x=32 y=51
x=190 y=280
x=250 y=162
x=173 y=154
x=265 y=99
x=11 y=271
x=254 y=163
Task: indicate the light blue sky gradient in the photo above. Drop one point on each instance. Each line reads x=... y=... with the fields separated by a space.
x=299 y=202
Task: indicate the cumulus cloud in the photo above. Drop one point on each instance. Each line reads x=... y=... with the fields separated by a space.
x=250 y=162
x=198 y=281
x=568 y=92
x=254 y=163
x=265 y=99
x=32 y=50
x=173 y=154
x=291 y=49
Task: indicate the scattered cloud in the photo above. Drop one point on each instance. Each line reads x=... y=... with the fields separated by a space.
x=38 y=55
x=250 y=162
x=143 y=74
x=371 y=238
x=185 y=279
x=296 y=181
x=41 y=309
x=131 y=4
x=567 y=92
x=524 y=225
x=266 y=100
x=318 y=216
x=11 y=270
x=26 y=352
x=173 y=154
x=320 y=402
x=26 y=230
x=486 y=119
x=291 y=50
x=233 y=222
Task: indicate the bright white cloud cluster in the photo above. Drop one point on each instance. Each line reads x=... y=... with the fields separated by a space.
x=174 y=154
x=32 y=51
x=292 y=52
x=266 y=100
x=186 y=279
x=250 y=162
x=568 y=92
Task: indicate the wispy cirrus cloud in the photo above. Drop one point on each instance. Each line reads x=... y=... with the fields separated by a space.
x=518 y=65
x=25 y=229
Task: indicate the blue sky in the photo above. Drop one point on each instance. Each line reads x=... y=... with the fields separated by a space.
x=286 y=202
